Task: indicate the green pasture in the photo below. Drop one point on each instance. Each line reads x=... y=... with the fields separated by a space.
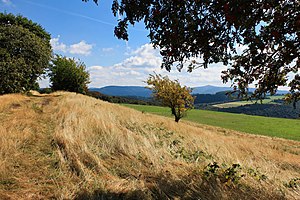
x=274 y=127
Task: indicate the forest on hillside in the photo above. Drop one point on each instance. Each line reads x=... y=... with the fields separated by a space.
x=268 y=110
x=276 y=108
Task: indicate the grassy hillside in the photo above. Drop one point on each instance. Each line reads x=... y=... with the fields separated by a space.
x=275 y=127
x=69 y=146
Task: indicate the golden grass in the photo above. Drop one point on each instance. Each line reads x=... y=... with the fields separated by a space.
x=69 y=146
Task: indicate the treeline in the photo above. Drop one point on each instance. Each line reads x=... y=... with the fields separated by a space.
x=267 y=110
x=26 y=55
x=127 y=100
x=219 y=97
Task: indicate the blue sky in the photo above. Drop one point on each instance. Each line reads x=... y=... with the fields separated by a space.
x=85 y=31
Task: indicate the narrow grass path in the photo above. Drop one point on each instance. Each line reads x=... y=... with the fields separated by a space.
x=28 y=158
x=268 y=126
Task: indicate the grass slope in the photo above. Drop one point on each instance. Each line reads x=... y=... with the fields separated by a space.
x=69 y=146
x=275 y=127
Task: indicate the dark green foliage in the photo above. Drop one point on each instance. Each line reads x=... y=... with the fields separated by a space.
x=293 y=183
x=45 y=90
x=25 y=52
x=211 y=169
x=118 y=99
x=232 y=174
x=69 y=75
x=219 y=97
x=294 y=96
x=256 y=174
x=212 y=30
x=268 y=110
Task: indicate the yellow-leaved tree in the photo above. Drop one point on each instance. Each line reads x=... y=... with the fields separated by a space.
x=171 y=94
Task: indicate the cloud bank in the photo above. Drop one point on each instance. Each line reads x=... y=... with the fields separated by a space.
x=146 y=60
x=81 y=48
x=135 y=69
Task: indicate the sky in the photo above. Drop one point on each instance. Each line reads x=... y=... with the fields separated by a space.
x=84 y=30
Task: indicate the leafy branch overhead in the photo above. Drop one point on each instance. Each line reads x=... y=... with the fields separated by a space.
x=211 y=30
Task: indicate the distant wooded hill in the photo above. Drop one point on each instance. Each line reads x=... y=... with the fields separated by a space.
x=139 y=91
x=124 y=91
x=124 y=99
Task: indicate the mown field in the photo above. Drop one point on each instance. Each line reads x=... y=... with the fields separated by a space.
x=275 y=127
x=242 y=103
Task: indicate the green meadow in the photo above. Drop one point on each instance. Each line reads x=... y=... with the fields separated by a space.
x=268 y=126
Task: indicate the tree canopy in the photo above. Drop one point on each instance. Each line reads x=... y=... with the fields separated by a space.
x=171 y=94
x=68 y=74
x=25 y=53
x=198 y=33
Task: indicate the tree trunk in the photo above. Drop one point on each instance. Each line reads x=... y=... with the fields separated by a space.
x=177 y=119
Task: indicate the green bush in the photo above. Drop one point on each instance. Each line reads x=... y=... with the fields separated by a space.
x=68 y=74
x=25 y=52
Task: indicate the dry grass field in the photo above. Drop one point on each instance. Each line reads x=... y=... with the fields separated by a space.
x=70 y=146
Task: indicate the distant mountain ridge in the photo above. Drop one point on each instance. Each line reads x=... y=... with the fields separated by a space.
x=209 y=89
x=124 y=91
x=140 y=91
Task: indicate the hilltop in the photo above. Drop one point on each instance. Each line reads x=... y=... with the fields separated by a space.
x=70 y=146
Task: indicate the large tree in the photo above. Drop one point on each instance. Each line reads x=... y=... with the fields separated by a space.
x=211 y=30
x=171 y=94
x=25 y=52
x=68 y=74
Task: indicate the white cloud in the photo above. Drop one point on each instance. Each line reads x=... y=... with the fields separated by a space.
x=96 y=68
x=58 y=46
x=143 y=57
x=81 y=48
x=145 y=60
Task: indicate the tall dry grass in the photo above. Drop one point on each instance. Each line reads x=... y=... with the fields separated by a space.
x=75 y=147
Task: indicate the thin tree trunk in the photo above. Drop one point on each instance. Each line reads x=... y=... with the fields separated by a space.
x=177 y=119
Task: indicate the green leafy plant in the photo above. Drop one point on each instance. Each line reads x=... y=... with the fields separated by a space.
x=211 y=169
x=232 y=174
x=256 y=174
x=293 y=183
x=25 y=52
x=68 y=74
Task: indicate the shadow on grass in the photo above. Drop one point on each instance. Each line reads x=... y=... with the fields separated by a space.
x=190 y=187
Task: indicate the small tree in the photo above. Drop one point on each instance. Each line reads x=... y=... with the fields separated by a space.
x=69 y=75
x=25 y=52
x=171 y=94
